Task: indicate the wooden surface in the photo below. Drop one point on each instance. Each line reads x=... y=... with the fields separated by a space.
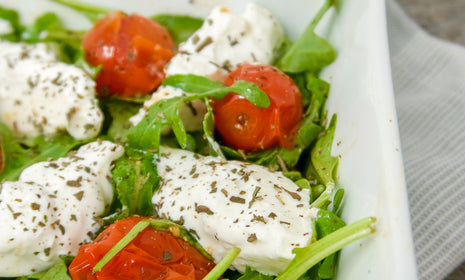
x=444 y=19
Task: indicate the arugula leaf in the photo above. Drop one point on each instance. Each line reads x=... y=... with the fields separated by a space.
x=250 y=274
x=337 y=200
x=92 y=12
x=180 y=27
x=326 y=223
x=310 y=52
x=324 y=166
x=57 y=272
x=47 y=21
x=203 y=87
x=309 y=256
x=146 y=134
x=136 y=180
x=323 y=162
x=50 y=29
x=18 y=155
x=117 y=115
x=12 y=17
x=208 y=128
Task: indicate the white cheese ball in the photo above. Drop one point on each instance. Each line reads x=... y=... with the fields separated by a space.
x=230 y=204
x=40 y=96
x=225 y=41
x=51 y=209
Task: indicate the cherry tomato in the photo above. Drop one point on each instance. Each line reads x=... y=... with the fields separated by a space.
x=245 y=126
x=132 y=51
x=153 y=254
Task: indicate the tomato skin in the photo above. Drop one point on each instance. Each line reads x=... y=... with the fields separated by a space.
x=132 y=50
x=245 y=126
x=153 y=254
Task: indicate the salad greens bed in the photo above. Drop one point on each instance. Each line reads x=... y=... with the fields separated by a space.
x=310 y=164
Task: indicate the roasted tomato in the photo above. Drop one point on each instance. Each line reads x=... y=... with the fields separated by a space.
x=132 y=51
x=153 y=254
x=245 y=126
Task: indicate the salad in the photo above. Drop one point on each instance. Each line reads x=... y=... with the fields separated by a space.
x=169 y=146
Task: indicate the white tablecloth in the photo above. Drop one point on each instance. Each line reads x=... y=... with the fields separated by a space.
x=429 y=84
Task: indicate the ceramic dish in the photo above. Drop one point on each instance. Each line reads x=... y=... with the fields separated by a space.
x=366 y=139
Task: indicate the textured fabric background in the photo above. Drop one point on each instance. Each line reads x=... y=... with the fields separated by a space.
x=429 y=85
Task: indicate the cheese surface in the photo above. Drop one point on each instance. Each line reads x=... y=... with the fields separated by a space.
x=41 y=96
x=230 y=204
x=51 y=209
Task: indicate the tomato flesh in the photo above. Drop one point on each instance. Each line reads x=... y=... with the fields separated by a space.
x=247 y=127
x=153 y=254
x=132 y=50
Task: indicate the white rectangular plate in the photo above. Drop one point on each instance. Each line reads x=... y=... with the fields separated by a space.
x=366 y=139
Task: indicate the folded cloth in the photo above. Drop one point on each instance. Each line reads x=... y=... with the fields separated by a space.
x=429 y=84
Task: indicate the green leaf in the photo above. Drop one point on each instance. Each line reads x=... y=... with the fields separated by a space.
x=191 y=83
x=317 y=190
x=326 y=223
x=294 y=175
x=209 y=128
x=49 y=28
x=181 y=27
x=136 y=180
x=45 y=22
x=12 y=17
x=310 y=52
x=327 y=268
x=147 y=133
x=18 y=155
x=57 y=272
x=251 y=92
x=118 y=112
x=324 y=163
x=337 y=200
x=117 y=115
x=92 y=12
x=202 y=87
x=250 y=274
x=309 y=256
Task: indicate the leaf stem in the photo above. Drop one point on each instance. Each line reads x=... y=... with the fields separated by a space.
x=331 y=243
x=319 y=15
x=138 y=228
x=223 y=265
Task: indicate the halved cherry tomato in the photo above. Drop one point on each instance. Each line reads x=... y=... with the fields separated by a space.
x=153 y=254
x=245 y=126
x=132 y=51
